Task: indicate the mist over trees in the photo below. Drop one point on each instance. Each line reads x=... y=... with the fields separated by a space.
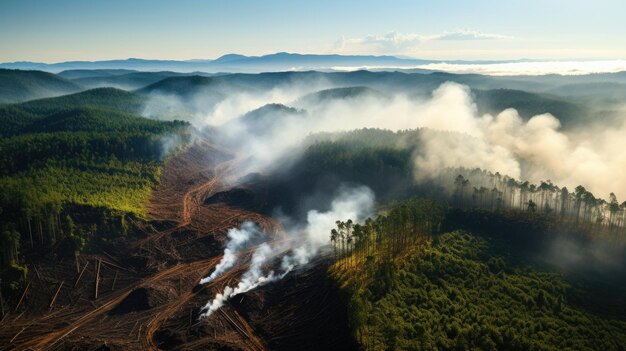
x=77 y=172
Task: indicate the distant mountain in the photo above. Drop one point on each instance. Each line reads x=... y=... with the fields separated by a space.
x=18 y=86
x=229 y=58
x=228 y=63
x=128 y=64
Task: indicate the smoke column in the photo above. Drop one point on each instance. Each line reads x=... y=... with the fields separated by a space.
x=238 y=238
x=350 y=203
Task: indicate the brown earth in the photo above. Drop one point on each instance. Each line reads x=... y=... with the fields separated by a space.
x=148 y=293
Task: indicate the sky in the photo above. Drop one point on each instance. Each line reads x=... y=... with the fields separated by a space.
x=62 y=30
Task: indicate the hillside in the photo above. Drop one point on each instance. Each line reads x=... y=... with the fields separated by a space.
x=409 y=286
x=88 y=119
x=128 y=81
x=460 y=293
x=107 y=98
x=92 y=73
x=531 y=104
x=15 y=117
x=77 y=174
x=328 y=95
x=268 y=114
x=18 y=86
x=187 y=86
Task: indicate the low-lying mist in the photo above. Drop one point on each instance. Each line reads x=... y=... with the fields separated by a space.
x=531 y=149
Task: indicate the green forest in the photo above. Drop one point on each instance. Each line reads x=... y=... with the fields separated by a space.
x=74 y=170
x=412 y=283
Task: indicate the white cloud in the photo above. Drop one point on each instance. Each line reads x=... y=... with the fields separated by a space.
x=466 y=34
x=396 y=43
x=389 y=43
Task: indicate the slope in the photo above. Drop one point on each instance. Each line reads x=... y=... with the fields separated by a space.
x=18 y=86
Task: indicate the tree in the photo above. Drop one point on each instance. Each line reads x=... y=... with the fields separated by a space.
x=10 y=240
x=614 y=208
x=532 y=206
x=334 y=236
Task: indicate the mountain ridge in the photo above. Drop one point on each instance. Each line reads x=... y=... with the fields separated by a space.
x=233 y=62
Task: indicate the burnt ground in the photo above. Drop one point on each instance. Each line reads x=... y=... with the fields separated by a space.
x=144 y=295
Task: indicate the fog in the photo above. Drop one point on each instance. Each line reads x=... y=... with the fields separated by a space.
x=534 y=149
x=530 y=68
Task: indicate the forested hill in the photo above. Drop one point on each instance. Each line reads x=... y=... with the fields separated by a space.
x=189 y=86
x=530 y=104
x=109 y=98
x=16 y=117
x=129 y=80
x=414 y=278
x=18 y=86
x=73 y=170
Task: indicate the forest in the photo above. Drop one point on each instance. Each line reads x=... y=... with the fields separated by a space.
x=73 y=171
x=414 y=279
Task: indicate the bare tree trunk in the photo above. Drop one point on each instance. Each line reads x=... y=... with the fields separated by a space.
x=30 y=233
x=98 y=264
x=56 y=294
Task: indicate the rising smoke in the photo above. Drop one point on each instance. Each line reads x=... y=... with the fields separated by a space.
x=305 y=242
x=531 y=149
x=534 y=149
x=237 y=240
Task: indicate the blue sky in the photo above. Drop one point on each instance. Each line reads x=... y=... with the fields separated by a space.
x=61 y=30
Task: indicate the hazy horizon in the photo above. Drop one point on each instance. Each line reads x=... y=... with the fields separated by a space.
x=72 y=30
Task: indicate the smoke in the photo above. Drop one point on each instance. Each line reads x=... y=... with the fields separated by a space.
x=250 y=280
x=274 y=132
x=530 y=149
x=533 y=149
x=306 y=240
x=591 y=254
x=237 y=239
x=172 y=142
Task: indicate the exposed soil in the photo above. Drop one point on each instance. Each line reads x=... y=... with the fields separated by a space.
x=147 y=292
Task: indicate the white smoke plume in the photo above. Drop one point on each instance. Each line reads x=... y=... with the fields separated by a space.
x=307 y=239
x=250 y=280
x=237 y=239
x=535 y=149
